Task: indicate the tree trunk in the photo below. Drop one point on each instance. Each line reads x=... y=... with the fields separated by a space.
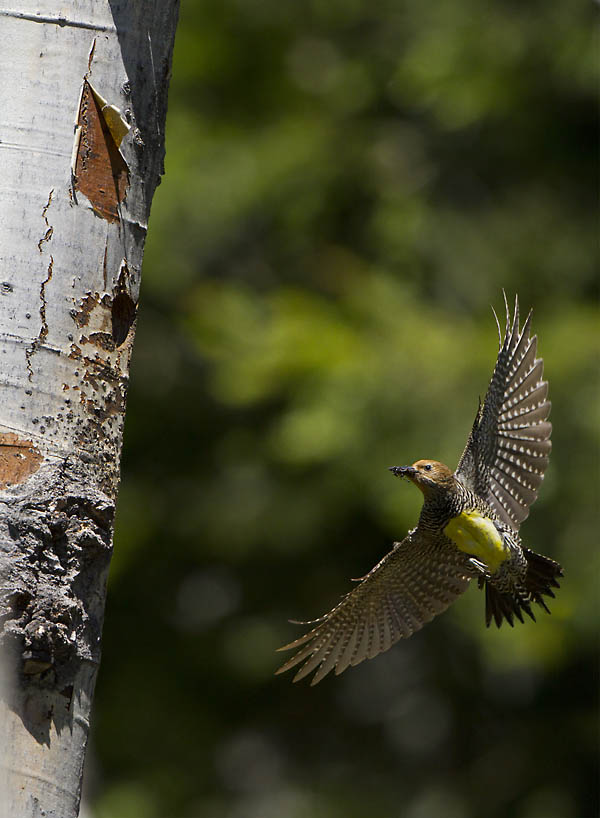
x=83 y=103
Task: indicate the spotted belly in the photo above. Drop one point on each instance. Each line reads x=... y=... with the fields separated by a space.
x=477 y=535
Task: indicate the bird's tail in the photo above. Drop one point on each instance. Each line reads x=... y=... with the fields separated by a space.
x=542 y=575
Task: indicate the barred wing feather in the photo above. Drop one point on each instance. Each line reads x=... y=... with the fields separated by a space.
x=418 y=579
x=509 y=446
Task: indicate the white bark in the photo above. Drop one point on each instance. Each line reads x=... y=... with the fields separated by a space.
x=74 y=206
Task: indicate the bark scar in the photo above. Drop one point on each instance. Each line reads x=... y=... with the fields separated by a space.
x=44 y=329
x=104 y=262
x=91 y=56
x=49 y=229
x=43 y=333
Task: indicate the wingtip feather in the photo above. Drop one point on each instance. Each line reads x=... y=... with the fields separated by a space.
x=516 y=315
x=499 y=333
x=507 y=311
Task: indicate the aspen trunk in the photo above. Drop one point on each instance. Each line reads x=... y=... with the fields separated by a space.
x=82 y=109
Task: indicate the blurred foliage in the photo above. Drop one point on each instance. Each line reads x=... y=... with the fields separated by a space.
x=349 y=187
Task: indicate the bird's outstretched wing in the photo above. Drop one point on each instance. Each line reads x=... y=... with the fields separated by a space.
x=508 y=448
x=418 y=579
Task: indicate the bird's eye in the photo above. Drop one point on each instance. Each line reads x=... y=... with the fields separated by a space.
x=428 y=467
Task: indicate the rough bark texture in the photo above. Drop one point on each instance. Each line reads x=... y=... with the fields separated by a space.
x=83 y=101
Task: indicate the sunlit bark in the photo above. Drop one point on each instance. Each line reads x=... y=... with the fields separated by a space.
x=83 y=103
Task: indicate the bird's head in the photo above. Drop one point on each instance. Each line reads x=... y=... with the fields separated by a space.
x=427 y=475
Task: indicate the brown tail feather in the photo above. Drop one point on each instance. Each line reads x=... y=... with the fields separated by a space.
x=541 y=577
x=500 y=606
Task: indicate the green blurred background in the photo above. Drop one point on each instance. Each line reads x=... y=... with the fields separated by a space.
x=348 y=187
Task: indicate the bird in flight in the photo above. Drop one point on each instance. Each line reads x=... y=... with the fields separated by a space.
x=468 y=527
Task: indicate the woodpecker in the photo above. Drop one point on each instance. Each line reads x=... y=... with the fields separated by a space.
x=468 y=527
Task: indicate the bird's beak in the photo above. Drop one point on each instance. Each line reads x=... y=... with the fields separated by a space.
x=403 y=471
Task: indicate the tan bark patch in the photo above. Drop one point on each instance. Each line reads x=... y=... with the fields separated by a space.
x=19 y=459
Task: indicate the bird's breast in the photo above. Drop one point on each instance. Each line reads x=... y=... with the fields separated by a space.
x=476 y=534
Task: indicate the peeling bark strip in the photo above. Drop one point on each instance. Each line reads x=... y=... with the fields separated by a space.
x=101 y=173
x=18 y=459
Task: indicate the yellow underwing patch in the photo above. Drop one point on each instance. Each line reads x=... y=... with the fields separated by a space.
x=475 y=534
